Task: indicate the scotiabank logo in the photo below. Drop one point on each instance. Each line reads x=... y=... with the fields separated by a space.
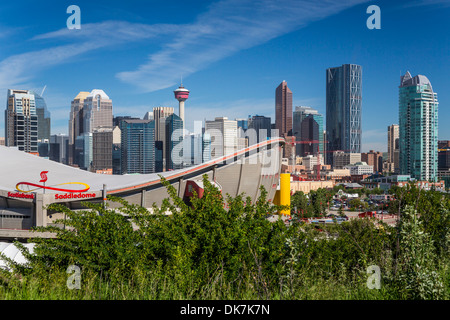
x=74 y=196
x=22 y=185
x=20 y=195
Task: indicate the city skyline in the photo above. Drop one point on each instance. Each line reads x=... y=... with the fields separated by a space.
x=233 y=77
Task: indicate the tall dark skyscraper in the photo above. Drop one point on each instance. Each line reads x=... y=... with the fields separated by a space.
x=261 y=123
x=75 y=123
x=343 y=108
x=283 y=109
x=309 y=132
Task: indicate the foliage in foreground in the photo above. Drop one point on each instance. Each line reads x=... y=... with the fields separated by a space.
x=208 y=251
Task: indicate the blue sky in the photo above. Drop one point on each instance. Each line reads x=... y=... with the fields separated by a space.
x=232 y=54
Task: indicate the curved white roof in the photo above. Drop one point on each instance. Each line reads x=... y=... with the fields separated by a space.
x=24 y=167
x=12 y=252
x=420 y=79
x=95 y=92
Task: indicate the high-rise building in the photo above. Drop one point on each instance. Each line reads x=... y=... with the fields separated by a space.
x=308 y=126
x=343 y=108
x=158 y=113
x=299 y=114
x=137 y=146
x=283 y=109
x=159 y=116
x=75 y=122
x=118 y=119
x=116 y=150
x=43 y=116
x=174 y=142
x=90 y=111
x=374 y=159
x=262 y=127
x=393 y=146
x=341 y=159
x=444 y=161
x=83 y=153
x=148 y=115
x=21 y=121
x=224 y=138
x=418 y=128
x=59 y=144
x=97 y=111
x=243 y=123
x=102 y=148
x=44 y=147
x=206 y=147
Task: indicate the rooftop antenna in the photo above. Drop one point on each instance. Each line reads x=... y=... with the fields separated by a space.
x=181 y=77
x=42 y=92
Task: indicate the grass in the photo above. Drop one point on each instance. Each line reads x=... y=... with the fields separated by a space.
x=165 y=287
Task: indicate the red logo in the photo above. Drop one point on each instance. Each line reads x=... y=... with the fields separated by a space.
x=43 y=176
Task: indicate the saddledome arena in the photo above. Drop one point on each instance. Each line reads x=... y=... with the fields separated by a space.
x=23 y=197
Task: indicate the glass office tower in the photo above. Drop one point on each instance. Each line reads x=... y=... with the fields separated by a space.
x=418 y=128
x=137 y=146
x=343 y=109
x=311 y=130
x=300 y=114
x=174 y=142
x=21 y=121
x=43 y=116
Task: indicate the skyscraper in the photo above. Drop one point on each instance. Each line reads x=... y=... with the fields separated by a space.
x=43 y=116
x=102 y=148
x=97 y=111
x=418 y=127
x=159 y=116
x=308 y=134
x=58 y=148
x=393 y=146
x=21 y=121
x=174 y=142
x=283 y=109
x=343 y=108
x=224 y=138
x=137 y=146
x=262 y=127
x=311 y=130
x=75 y=122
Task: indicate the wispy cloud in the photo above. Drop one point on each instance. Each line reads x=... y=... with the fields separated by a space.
x=227 y=27
x=422 y=3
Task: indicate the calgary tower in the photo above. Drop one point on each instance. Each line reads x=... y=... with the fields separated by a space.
x=181 y=94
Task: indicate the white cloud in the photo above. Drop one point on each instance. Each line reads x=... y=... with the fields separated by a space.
x=226 y=28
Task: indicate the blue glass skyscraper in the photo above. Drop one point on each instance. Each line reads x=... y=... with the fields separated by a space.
x=174 y=142
x=307 y=131
x=43 y=116
x=137 y=146
x=343 y=108
x=418 y=128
